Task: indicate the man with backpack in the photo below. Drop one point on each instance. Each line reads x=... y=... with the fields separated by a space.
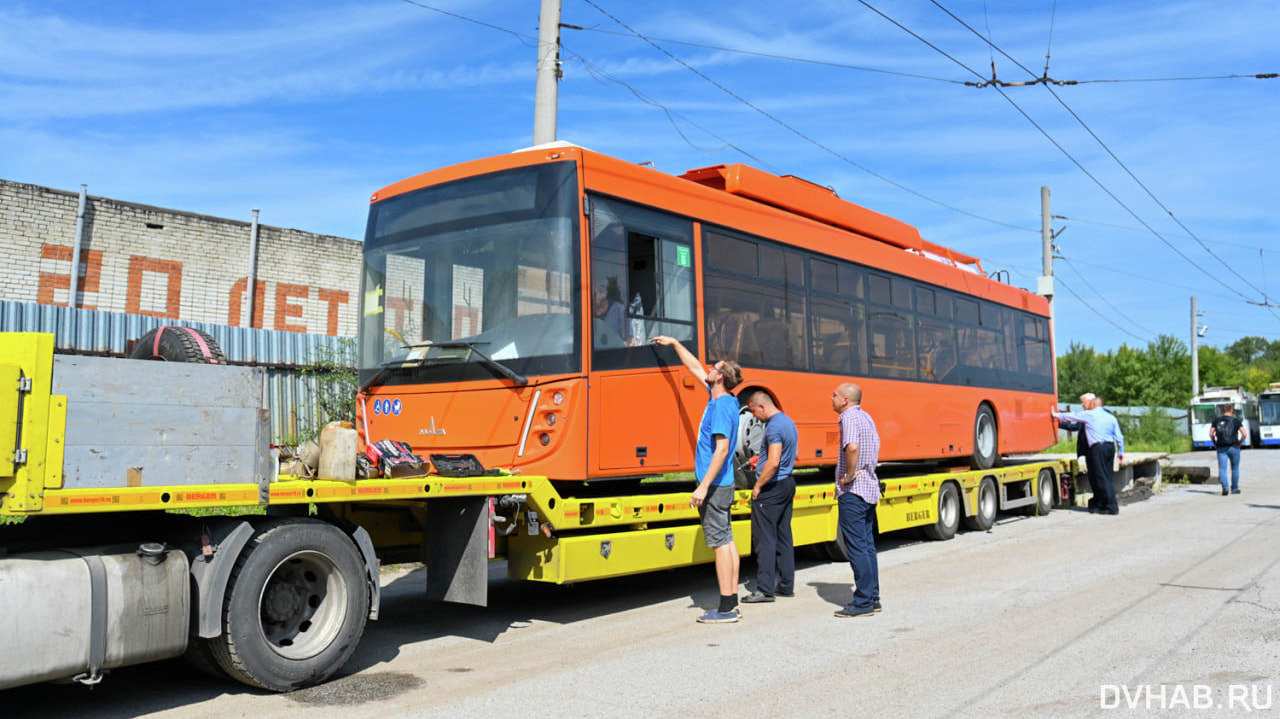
x=1228 y=435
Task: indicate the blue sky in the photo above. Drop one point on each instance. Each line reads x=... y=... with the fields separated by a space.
x=303 y=109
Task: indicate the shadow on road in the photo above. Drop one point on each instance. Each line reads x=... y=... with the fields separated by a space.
x=408 y=618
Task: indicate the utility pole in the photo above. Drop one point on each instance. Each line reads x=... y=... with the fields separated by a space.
x=1196 y=332
x=1044 y=284
x=546 y=93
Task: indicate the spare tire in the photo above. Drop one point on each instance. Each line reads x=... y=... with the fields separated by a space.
x=178 y=344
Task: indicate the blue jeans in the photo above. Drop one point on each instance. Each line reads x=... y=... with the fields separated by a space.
x=858 y=534
x=1231 y=454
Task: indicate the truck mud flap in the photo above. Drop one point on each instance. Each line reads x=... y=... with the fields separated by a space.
x=457 y=550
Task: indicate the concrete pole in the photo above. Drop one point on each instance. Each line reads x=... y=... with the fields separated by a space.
x=546 y=93
x=1045 y=284
x=1195 y=349
x=75 y=248
x=253 y=267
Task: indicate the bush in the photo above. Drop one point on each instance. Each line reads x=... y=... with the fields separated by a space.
x=1153 y=431
x=334 y=374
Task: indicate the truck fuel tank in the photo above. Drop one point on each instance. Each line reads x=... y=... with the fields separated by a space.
x=72 y=613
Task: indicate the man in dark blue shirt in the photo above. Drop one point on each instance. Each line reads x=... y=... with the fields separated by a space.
x=771 y=502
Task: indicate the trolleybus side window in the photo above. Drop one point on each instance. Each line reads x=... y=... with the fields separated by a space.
x=935 y=335
x=642 y=282
x=838 y=318
x=755 y=302
x=860 y=321
x=892 y=328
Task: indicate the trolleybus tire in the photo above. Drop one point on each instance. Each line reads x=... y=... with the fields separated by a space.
x=295 y=608
x=750 y=439
x=986 y=439
x=984 y=511
x=178 y=344
x=948 y=514
x=1046 y=493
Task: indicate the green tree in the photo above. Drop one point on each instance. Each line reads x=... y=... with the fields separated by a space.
x=1126 y=377
x=1218 y=369
x=1080 y=370
x=1247 y=349
x=1256 y=379
x=1166 y=373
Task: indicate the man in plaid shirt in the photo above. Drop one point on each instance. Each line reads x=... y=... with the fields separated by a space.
x=857 y=493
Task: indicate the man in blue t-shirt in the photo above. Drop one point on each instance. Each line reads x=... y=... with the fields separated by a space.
x=713 y=468
x=771 y=501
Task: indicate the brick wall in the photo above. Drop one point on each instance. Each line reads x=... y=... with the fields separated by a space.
x=168 y=263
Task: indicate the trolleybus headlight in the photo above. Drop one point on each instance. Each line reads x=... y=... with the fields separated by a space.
x=557 y=398
x=545 y=439
x=551 y=418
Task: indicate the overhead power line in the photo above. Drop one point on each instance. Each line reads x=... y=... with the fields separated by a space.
x=1103 y=297
x=1104 y=318
x=1103 y=145
x=1045 y=79
x=1062 y=149
x=796 y=131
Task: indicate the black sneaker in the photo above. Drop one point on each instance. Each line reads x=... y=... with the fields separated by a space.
x=757 y=598
x=1235 y=491
x=1224 y=491
x=852 y=611
x=780 y=593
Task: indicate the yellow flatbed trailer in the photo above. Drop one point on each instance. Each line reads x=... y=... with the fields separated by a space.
x=98 y=571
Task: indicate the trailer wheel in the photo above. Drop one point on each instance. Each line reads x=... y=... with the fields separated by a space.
x=984 y=514
x=178 y=344
x=200 y=655
x=296 y=606
x=986 y=439
x=948 y=514
x=1045 y=493
x=835 y=549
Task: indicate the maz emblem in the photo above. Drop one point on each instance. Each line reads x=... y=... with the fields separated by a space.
x=432 y=429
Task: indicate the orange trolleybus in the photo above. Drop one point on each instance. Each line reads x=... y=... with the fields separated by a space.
x=508 y=305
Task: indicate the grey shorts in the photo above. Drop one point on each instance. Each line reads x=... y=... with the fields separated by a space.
x=716 y=522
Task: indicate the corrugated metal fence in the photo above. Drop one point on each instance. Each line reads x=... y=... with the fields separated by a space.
x=292 y=396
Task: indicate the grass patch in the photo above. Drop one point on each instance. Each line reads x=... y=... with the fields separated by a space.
x=1151 y=432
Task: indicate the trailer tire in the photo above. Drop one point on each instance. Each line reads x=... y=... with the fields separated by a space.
x=835 y=549
x=178 y=344
x=200 y=655
x=1046 y=489
x=984 y=514
x=296 y=606
x=949 y=513
x=986 y=439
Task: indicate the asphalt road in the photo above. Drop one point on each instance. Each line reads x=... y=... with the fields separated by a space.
x=1168 y=609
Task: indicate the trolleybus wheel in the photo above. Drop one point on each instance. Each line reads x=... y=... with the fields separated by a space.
x=295 y=608
x=750 y=441
x=986 y=439
x=948 y=514
x=984 y=514
x=1046 y=493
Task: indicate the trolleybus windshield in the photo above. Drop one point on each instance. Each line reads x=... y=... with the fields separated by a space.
x=473 y=279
